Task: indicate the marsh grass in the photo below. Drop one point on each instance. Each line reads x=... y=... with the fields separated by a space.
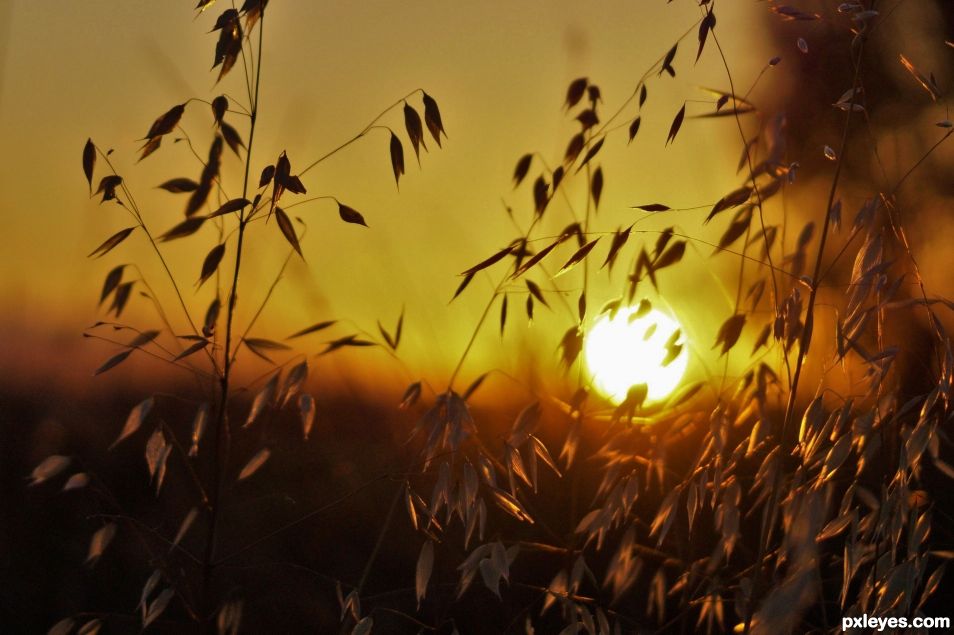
x=758 y=504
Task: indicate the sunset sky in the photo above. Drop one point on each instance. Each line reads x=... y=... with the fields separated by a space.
x=499 y=72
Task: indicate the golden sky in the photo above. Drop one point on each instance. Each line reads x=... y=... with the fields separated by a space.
x=499 y=71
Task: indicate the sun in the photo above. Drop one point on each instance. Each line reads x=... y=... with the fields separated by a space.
x=623 y=350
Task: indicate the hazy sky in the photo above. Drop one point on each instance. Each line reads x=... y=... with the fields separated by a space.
x=107 y=68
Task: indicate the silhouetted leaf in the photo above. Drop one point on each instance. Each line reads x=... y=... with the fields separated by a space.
x=540 y=195
x=667 y=63
x=149 y=147
x=179 y=185
x=729 y=332
x=232 y=137
x=252 y=10
x=198 y=346
x=314 y=328
x=281 y=174
x=790 y=13
x=594 y=149
x=100 y=540
x=634 y=128
x=570 y=345
x=727 y=112
x=113 y=361
x=267 y=173
x=422 y=574
x=642 y=310
x=619 y=239
x=676 y=125
x=397 y=158
x=463 y=284
x=211 y=262
x=135 y=419
x=805 y=236
x=574 y=93
x=486 y=263
x=265 y=398
x=503 y=314
x=186 y=228
x=48 y=468
x=388 y=339
x=89 y=161
x=350 y=215
x=228 y=207
x=113 y=278
x=588 y=118
x=730 y=200
x=219 y=106
x=523 y=166
x=474 y=385
x=664 y=237
x=653 y=207
x=107 y=186
x=294 y=184
x=123 y=292
x=77 y=481
x=671 y=256
x=596 y=186
x=111 y=242
x=199 y=423
x=306 y=409
x=294 y=382
x=540 y=255
x=185 y=525
x=738 y=227
x=411 y=395
x=157 y=607
x=432 y=118
x=229 y=45
x=143 y=338
x=348 y=341
x=364 y=626
x=574 y=148
x=166 y=122
x=762 y=339
x=287 y=229
x=707 y=24
x=536 y=292
x=635 y=398
x=259 y=345
x=209 y=173
x=211 y=317
x=255 y=463
x=415 y=130
x=579 y=255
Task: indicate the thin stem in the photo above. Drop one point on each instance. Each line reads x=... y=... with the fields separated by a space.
x=371 y=126
x=220 y=428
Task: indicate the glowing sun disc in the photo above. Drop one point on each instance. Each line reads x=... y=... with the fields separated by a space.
x=620 y=353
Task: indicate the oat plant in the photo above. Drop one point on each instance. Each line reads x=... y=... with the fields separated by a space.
x=761 y=503
x=765 y=503
x=232 y=198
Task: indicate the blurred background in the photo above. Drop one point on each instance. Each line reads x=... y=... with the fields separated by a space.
x=106 y=69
